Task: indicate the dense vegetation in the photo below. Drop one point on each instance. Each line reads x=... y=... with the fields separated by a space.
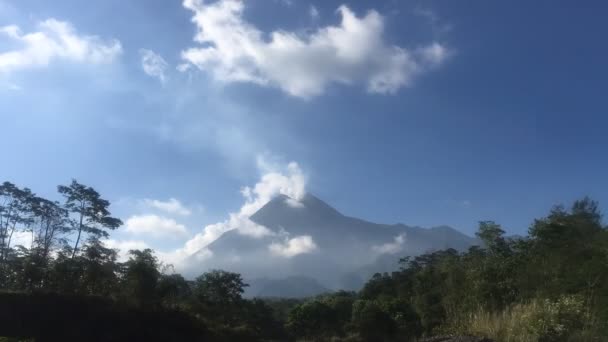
x=549 y=286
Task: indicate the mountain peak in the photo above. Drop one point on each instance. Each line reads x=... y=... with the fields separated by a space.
x=283 y=210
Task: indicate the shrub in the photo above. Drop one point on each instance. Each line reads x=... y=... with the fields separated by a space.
x=537 y=321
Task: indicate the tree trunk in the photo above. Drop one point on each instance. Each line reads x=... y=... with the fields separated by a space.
x=8 y=244
x=79 y=232
x=4 y=232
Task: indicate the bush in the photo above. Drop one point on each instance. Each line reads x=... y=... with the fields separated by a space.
x=537 y=321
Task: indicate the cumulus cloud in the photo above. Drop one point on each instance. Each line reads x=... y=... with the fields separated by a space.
x=292 y=247
x=153 y=64
x=155 y=226
x=55 y=40
x=171 y=206
x=125 y=246
x=276 y=179
x=392 y=247
x=303 y=64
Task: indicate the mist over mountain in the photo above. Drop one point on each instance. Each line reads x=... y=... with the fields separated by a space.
x=314 y=248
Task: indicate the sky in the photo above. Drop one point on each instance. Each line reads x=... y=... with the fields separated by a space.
x=190 y=115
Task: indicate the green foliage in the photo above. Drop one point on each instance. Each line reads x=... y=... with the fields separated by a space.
x=371 y=322
x=406 y=319
x=549 y=286
x=91 y=214
x=311 y=320
x=173 y=289
x=219 y=287
x=141 y=277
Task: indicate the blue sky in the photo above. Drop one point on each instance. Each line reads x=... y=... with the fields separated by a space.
x=421 y=112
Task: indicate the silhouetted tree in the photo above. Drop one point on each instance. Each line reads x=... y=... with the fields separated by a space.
x=90 y=211
x=141 y=277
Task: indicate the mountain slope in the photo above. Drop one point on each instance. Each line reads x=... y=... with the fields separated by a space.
x=348 y=250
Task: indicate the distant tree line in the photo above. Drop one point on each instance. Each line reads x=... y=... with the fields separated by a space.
x=549 y=286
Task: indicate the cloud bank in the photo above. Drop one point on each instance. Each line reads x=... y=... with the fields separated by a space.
x=303 y=64
x=55 y=40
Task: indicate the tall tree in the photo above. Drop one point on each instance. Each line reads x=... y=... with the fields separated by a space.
x=51 y=224
x=14 y=211
x=219 y=287
x=90 y=210
x=98 y=267
x=141 y=277
x=219 y=295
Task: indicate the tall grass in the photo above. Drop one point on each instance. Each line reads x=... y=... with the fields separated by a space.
x=564 y=319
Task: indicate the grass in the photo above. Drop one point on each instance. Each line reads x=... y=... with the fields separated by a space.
x=564 y=319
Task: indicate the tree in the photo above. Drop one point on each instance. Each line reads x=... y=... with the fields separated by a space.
x=341 y=304
x=492 y=236
x=14 y=210
x=219 y=296
x=379 y=285
x=371 y=322
x=90 y=210
x=219 y=287
x=312 y=320
x=141 y=277
x=51 y=221
x=407 y=321
x=261 y=323
x=567 y=252
x=173 y=289
x=99 y=268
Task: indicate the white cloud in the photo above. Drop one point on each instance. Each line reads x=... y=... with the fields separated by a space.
x=156 y=226
x=21 y=238
x=287 y=180
x=171 y=206
x=303 y=64
x=434 y=54
x=392 y=247
x=294 y=203
x=125 y=246
x=178 y=257
x=314 y=12
x=55 y=40
x=153 y=64
x=292 y=247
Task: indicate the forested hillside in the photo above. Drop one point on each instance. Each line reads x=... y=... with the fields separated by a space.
x=549 y=286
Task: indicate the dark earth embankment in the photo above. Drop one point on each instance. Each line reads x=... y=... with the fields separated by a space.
x=52 y=317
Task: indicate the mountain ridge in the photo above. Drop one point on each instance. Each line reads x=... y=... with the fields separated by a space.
x=347 y=249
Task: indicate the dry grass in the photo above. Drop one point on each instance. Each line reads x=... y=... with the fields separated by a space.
x=539 y=320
